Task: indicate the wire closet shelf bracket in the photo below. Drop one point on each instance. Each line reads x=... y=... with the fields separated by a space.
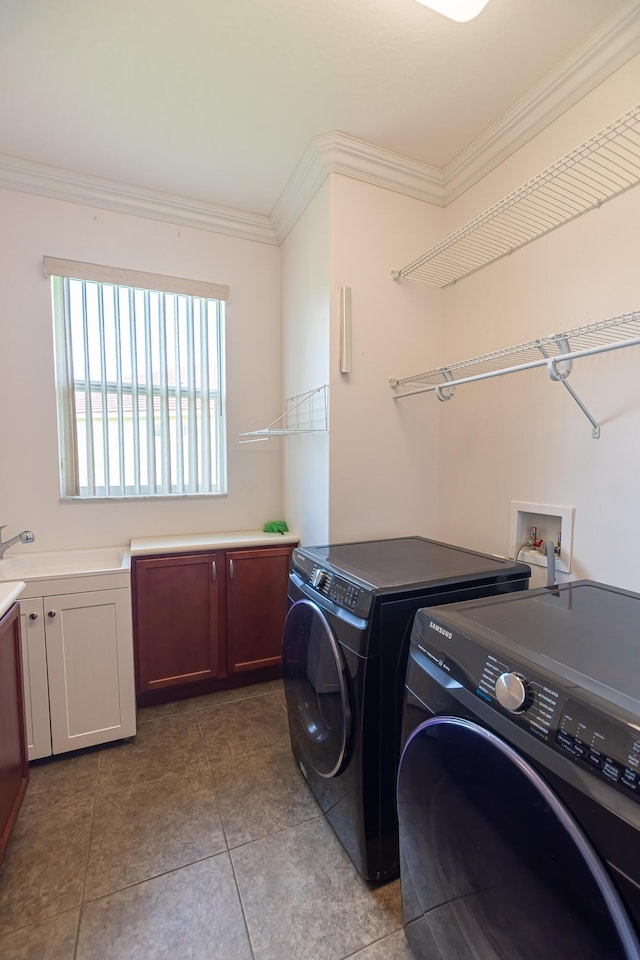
x=601 y=168
x=556 y=352
x=305 y=413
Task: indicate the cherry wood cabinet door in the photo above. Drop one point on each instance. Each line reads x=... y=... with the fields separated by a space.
x=256 y=606
x=14 y=768
x=178 y=620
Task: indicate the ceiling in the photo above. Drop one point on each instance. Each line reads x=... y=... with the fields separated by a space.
x=216 y=100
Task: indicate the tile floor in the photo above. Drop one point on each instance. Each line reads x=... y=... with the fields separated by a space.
x=198 y=840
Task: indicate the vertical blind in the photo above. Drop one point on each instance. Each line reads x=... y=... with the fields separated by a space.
x=139 y=375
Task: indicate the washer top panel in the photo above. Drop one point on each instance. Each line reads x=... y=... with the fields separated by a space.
x=590 y=629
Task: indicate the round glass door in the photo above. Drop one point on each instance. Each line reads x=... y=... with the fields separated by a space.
x=315 y=688
x=493 y=865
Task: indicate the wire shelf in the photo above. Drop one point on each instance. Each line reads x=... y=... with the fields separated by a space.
x=601 y=168
x=304 y=413
x=557 y=352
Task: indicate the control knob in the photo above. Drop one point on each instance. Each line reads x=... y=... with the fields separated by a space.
x=318 y=579
x=512 y=692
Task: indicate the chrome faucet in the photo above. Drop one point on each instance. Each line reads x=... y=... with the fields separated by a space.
x=27 y=536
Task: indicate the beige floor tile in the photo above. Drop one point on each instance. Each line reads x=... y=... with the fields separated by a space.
x=160 y=710
x=44 y=866
x=151 y=828
x=233 y=730
x=64 y=778
x=193 y=913
x=239 y=693
x=394 y=947
x=263 y=793
x=143 y=821
x=302 y=896
x=171 y=744
x=206 y=700
x=52 y=939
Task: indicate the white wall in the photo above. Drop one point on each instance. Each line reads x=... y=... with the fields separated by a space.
x=375 y=474
x=522 y=437
x=305 y=295
x=387 y=467
x=29 y=486
x=384 y=459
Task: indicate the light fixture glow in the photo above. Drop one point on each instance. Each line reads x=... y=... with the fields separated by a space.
x=460 y=10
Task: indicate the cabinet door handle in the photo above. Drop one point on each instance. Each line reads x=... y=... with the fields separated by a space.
x=213 y=571
x=33 y=616
x=230 y=569
x=51 y=614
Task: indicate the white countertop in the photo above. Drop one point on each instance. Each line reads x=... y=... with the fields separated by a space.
x=9 y=593
x=188 y=542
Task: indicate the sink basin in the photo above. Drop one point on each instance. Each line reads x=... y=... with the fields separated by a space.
x=64 y=563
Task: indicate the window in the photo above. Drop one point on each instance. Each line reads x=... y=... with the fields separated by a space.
x=139 y=382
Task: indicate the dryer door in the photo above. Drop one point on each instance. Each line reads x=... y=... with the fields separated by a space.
x=315 y=688
x=493 y=866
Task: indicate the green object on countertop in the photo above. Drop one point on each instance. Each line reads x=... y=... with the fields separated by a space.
x=275 y=526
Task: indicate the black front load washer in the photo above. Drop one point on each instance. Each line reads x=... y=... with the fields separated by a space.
x=519 y=780
x=344 y=650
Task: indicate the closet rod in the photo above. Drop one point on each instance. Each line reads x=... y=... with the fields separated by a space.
x=549 y=362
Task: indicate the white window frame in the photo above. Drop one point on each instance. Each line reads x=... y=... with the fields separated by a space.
x=173 y=442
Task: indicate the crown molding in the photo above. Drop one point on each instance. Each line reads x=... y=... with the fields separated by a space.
x=603 y=52
x=26 y=176
x=303 y=184
x=337 y=152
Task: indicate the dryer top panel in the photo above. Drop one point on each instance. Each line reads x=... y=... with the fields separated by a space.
x=590 y=628
x=412 y=563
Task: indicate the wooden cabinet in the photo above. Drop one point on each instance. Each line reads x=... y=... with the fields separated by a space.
x=14 y=769
x=78 y=667
x=177 y=619
x=206 y=621
x=256 y=606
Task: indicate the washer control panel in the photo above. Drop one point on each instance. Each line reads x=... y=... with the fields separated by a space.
x=607 y=745
x=534 y=702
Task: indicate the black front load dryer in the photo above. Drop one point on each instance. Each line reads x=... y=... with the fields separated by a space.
x=519 y=780
x=344 y=652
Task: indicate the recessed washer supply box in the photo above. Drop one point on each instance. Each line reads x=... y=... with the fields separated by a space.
x=551 y=522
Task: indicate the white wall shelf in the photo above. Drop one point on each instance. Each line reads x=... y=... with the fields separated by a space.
x=556 y=353
x=596 y=171
x=304 y=413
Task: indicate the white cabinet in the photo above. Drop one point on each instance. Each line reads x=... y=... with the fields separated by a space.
x=77 y=649
x=34 y=676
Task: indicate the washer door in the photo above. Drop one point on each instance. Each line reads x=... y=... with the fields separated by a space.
x=315 y=688
x=493 y=866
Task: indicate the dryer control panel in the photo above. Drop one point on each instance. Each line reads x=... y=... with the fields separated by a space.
x=344 y=593
x=609 y=747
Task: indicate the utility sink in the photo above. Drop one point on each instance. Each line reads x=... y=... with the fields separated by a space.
x=64 y=563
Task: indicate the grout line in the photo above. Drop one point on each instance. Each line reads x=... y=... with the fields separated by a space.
x=86 y=864
x=356 y=953
x=198 y=704
x=240 y=901
x=156 y=876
